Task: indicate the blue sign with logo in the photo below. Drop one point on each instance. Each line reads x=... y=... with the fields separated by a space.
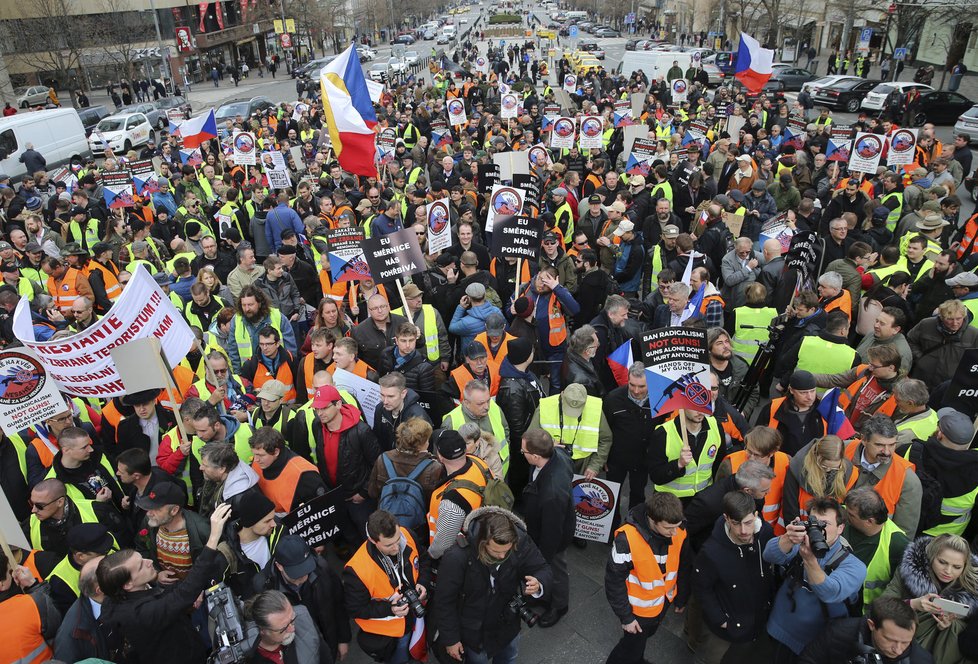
x=573 y=31
x=866 y=35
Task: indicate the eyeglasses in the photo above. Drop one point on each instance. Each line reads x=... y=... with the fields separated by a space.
x=41 y=506
x=63 y=418
x=220 y=372
x=284 y=629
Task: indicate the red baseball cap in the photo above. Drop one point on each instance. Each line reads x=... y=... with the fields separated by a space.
x=325 y=395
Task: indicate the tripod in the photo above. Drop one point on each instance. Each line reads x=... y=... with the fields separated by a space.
x=757 y=372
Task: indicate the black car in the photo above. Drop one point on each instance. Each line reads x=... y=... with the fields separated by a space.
x=941 y=108
x=845 y=95
x=405 y=38
x=91 y=116
x=773 y=89
x=246 y=108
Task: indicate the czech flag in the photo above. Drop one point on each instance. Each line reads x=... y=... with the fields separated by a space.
x=753 y=63
x=619 y=361
x=199 y=129
x=349 y=114
x=836 y=422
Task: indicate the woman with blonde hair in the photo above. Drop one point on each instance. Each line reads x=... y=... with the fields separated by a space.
x=820 y=469
x=483 y=445
x=938 y=567
x=207 y=276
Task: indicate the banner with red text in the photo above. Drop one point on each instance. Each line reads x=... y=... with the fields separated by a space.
x=82 y=363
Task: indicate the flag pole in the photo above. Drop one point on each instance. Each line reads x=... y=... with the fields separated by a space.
x=682 y=428
x=519 y=274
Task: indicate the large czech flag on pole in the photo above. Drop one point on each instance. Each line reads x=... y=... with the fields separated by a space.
x=199 y=129
x=349 y=114
x=753 y=63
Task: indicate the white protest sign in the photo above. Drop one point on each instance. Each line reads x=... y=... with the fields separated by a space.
x=504 y=202
x=276 y=169
x=28 y=395
x=82 y=363
x=439 y=226
x=244 y=143
x=509 y=105
x=456 y=112
x=595 y=504
x=866 y=153
x=562 y=136
x=12 y=534
x=591 y=129
x=367 y=392
x=903 y=146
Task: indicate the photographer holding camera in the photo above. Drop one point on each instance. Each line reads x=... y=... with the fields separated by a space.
x=484 y=582
x=385 y=584
x=821 y=576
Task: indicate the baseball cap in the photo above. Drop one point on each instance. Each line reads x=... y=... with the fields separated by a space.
x=32 y=248
x=449 y=443
x=325 y=395
x=618 y=207
x=475 y=350
x=550 y=236
x=636 y=181
x=670 y=231
x=736 y=194
x=162 y=493
x=966 y=279
x=272 y=390
x=956 y=426
x=743 y=157
x=595 y=198
x=9 y=266
x=295 y=556
x=495 y=324
x=89 y=538
x=77 y=210
x=475 y=290
x=802 y=380
x=624 y=226
x=573 y=399
x=758 y=185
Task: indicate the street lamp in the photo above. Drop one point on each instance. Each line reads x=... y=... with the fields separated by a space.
x=159 y=42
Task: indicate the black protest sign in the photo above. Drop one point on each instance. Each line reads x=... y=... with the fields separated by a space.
x=517 y=236
x=962 y=393
x=316 y=521
x=802 y=254
x=531 y=184
x=394 y=256
x=488 y=177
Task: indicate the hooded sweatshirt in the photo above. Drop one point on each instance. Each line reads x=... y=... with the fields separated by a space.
x=331 y=440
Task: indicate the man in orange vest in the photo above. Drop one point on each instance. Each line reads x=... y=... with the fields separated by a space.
x=29 y=616
x=321 y=342
x=272 y=361
x=762 y=444
x=475 y=367
x=795 y=416
x=385 y=581
x=553 y=305
x=284 y=477
x=889 y=474
x=65 y=284
x=639 y=588
x=868 y=388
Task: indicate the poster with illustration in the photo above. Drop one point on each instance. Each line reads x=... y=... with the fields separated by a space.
x=504 y=202
x=591 y=129
x=439 y=226
x=562 y=136
x=866 y=152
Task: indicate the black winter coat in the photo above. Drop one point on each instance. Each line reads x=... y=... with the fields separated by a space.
x=840 y=643
x=385 y=424
x=518 y=397
x=419 y=374
x=471 y=609
x=576 y=369
x=131 y=435
x=631 y=429
x=734 y=585
x=547 y=506
x=610 y=338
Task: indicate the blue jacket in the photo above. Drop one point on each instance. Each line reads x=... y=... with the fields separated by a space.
x=384 y=225
x=467 y=323
x=166 y=201
x=567 y=303
x=628 y=267
x=279 y=219
x=796 y=625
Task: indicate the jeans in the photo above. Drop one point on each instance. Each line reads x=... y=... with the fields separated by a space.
x=505 y=656
x=400 y=655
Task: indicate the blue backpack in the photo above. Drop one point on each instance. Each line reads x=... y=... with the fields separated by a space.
x=403 y=496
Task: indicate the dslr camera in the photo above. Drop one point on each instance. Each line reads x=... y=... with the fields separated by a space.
x=518 y=606
x=815 y=530
x=409 y=597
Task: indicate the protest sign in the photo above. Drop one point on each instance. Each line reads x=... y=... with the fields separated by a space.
x=12 y=533
x=345 y=249
x=838 y=147
x=866 y=153
x=28 y=395
x=902 y=147
x=777 y=228
x=65 y=175
x=638 y=104
x=622 y=114
x=550 y=114
x=677 y=370
x=245 y=148
x=144 y=177
x=591 y=128
x=562 y=136
x=517 y=236
x=82 y=363
x=366 y=391
x=192 y=157
x=117 y=190
x=488 y=176
x=511 y=163
x=530 y=184
x=632 y=133
x=441 y=135
x=386 y=142
x=733 y=222
x=394 y=255
x=680 y=89
x=595 y=505
x=456 y=112
x=317 y=521
x=504 y=202
x=539 y=156
x=509 y=104
x=734 y=124
x=570 y=84
x=439 y=226
x=962 y=393
x=641 y=157
x=298 y=159
x=795 y=133
x=276 y=170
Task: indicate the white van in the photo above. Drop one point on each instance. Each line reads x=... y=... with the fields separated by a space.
x=655 y=64
x=57 y=134
x=579 y=15
x=449 y=31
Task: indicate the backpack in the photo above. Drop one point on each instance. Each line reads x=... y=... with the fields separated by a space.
x=403 y=496
x=495 y=493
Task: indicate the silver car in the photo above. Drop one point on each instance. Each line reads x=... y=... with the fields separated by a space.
x=967 y=124
x=156 y=117
x=34 y=95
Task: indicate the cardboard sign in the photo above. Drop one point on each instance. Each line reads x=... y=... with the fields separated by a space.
x=367 y=392
x=117 y=190
x=511 y=163
x=677 y=370
x=592 y=127
x=733 y=222
x=680 y=89
x=622 y=114
x=439 y=226
x=641 y=157
x=345 y=249
x=633 y=133
x=734 y=124
x=638 y=104
x=276 y=170
x=902 y=147
x=456 y=112
x=962 y=393
x=562 y=136
x=394 y=256
x=488 y=177
x=82 y=363
x=245 y=148
x=517 y=236
x=595 y=505
x=28 y=395
x=386 y=142
x=866 y=152
x=317 y=521
x=509 y=105
x=504 y=202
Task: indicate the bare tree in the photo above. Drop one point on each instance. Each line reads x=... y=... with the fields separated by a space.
x=40 y=38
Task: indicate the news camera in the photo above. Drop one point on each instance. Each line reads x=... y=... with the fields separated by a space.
x=230 y=636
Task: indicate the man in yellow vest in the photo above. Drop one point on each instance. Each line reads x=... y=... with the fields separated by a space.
x=85 y=541
x=649 y=569
x=477 y=406
x=434 y=335
x=874 y=539
x=683 y=464
x=578 y=426
x=913 y=418
x=254 y=312
x=828 y=352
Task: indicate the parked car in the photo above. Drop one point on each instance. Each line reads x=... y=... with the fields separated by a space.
x=91 y=116
x=171 y=104
x=592 y=48
x=377 y=71
x=365 y=53
x=772 y=90
x=843 y=95
x=35 y=95
x=716 y=76
x=605 y=31
x=56 y=133
x=122 y=132
x=941 y=107
x=243 y=107
x=396 y=65
x=411 y=57
x=404 y=38
x=875 y=99
x=968 y=124
x=312 y=68
x=156 y=117
x=826 y=81
x=792 y=77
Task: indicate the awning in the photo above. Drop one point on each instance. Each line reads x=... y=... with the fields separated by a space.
x=245 y=41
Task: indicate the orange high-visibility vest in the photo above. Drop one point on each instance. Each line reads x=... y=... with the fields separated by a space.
x=308 y=369
x=22 y=642
x=804 y=497
x=462 y=376
x=771 y=512
x=890 y=487
x=379 y=585
x=848 y=396
x=110 y=275
x=648 y=588
x=478 y=473
x=281 y=490
x=65 y=292
x=360 y=368
x=331 y=290
x=283 y=375
x=555 y=318
x=842 y=302
x=495 y=359
x=354 y=292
